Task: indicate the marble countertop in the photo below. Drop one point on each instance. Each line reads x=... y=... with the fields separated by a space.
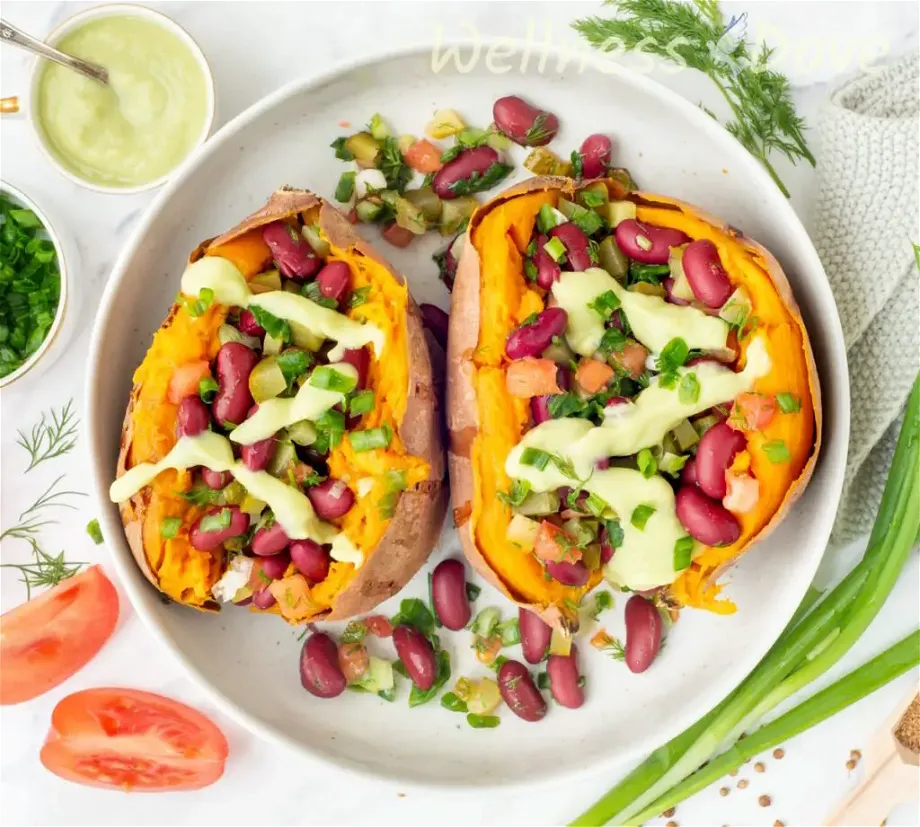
x=253 y=48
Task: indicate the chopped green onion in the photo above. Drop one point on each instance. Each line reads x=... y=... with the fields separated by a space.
x=378 y=127
x=207 y=389
x=683 y=553
x=592 y=198
x=588 y=221
x=640 y=515
x=648 y=273
x=613 y=341
x=535 y=458
x=596 y=505
x=555 y=249
x=371 y=438
x=216 y=522
x=509 y=632
x=451 y=701
x=345 y=189
x=605 y=304
x=549 y=217
x=312 y=292
x=673 y=355
x=688 y=391
x=274 y=327
x=472 y=592
x=395 y=484
x=777 y=451
x=788 y=403
x=92 y=528
x=485 y=622
x=517 y=493
x=327 y=378
x=169 y=527
x=615 y=535
x=342 y=152
x=482 y=721
x=358 y=297
x=647 y=464
x=361 y=403
x=293 y=363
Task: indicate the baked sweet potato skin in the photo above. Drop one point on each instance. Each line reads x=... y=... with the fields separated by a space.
x=412 y=531
x=465 y=362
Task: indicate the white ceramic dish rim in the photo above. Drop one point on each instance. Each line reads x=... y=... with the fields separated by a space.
x=59 y=314
x=109 y=10
x=124 y=562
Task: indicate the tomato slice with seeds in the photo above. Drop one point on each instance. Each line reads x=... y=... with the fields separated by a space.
x=43 y=642
x=130 y=740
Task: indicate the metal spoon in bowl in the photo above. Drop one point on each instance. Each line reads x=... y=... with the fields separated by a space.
x=10 y=34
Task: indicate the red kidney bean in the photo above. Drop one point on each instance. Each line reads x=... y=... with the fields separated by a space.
x=539 y=408
x=646 y=242
x=276 y=565
x=448 y=593
x=607 y=550
x=526 y=125
x=334 y=280
x=269 y=541
x=548 y=271
x=519 y=691
x=437 y=321
x=234 y=363
x=294 y=257
x=320 y=672
x=714 y=454
x=461 y=168
x=192 y=417
x=331 y=498
x=257 y=455
x=705 y=273
x=311 y=560
x=243 y=601
x=532 y=339
x=535 y=635
x=602 y=464
x=668 y=285
x=215 y=480
x=688 y=473
x=263 y=599
x=563 y=679
x=616 y=401
x=569 y=574
x=210 y=540
x=705 y=519
x=248 y=325
x=360 y=360
x=643 y=633
x=576 y=245
x=595 y=155
x=417 y=655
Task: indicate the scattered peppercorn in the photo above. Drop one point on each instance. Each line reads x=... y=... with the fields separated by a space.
x=671 y=824
x=733 y=773
x=742 y=784
x=760 y=767
x=778 y=823
x=669 y=812
x=851 y=765
x=908 y=731
x=724 y=791
x=764 y=801
x=778 y=753
x=855 y=754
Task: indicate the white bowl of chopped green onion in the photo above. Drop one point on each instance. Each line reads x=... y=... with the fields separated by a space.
x=33 y=287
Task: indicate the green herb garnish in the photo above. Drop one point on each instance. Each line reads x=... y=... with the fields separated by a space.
x=200 y=495
x=342 y=152
x=517 y=493
x=311 y=291
x=613 y=341
x=648 y=273
x=273 y=326
x=592 y=198
x=48 y=440
x=615 y=534
x=216 y=522
x=293 y=363
x=673 y=356
x=358 y=297
x=646 y=462
x=555 y=249
x=776 y=451
x=683 y=553
x=605 y=304
x=392 y=165
x=361 y=403
x=417 y=696
x=788 y=403
x=482 y=721
x=207 y=389
x=354 y=632
x=496 y=173
x=596 y=505
x=395 y=484
x=370 y=439
x=602 y=601
x=640 y=515
x=328 y=378
x=688 y=391
x=345 y=189
x=95 y=532
x=535 y=458
x=44 y=570
x=566 y=404
x=451 y=701
x=472 y=591
x=169 y=527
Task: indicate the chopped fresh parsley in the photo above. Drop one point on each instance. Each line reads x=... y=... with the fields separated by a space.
x=342 y=152
x=561 y=405
x=649 y=273
x=517 y=493
x=311 y=291
x=613 y=341
x=358 y=297
x=200 y=495
x=293 y=363
x=605 y=304
x=273 y=326
x=478 y=183
x=615 y=534
x=602 y=601
x=673 y=356
x=688 y=391
x=392 y=165
x=578 y=164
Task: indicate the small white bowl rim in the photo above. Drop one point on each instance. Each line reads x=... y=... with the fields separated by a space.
x=108 y=10
x=53 y=331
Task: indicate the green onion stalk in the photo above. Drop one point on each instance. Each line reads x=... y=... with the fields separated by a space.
x=818 y=636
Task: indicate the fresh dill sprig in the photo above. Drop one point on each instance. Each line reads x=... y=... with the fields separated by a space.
x=34 y=517
x=765 y=120
x=615 y=650
x=44 y=570
x=48 y=440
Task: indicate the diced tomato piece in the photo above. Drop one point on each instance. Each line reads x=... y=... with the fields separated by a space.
x=631 y=358
x=752 y=412
x=593 y=375
x=353 y=660
x=743 y=493
x=398 y=236
x=552 y=545
x=378 y=626
x=352 y=216
x=185 y=379
x=293 y=596
x=423 y=156
x=529 y=377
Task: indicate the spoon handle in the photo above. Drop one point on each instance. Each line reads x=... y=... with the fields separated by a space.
x=10 y=34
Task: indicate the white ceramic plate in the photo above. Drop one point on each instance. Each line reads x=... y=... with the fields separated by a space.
x=250 y=664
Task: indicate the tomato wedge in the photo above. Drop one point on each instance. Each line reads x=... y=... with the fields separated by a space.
x=43 y=642
x=125 y=739
x=185 y=378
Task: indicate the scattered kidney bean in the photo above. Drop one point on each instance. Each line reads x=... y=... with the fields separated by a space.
x=519 y=691
x=607 y=550
x=331 y=499
x=688 y=473
x=417 y=655
x=311 y=560
x=397 y=236
x=271 y=540
x=714 y=454
x=535 y=635
x=437 y=321
x=532 y=339
x=563 y=679
x=257 y=455
x=448 y=593
x=234 y=363
x=643 y=633
x=276 y=565
x=705 y=273
x=469 y=161
x=569 y=574
x=215 y=480
x=320 y=672
x=705 y=519
x=334 y=280
x=526 y=125
x=248 y=325
x=646 y=242
x=548 y=270
x=210 y=540
x=294 y=257
x=263 y=599
x=577 y=246
x=192 y=417
x=539 y=408
x=360 y=360
x=595 y=155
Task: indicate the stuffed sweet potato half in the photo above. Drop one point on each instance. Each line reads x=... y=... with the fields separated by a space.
x=631 y=396
x=281 y=447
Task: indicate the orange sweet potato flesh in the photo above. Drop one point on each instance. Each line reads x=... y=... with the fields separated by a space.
x=491 y=297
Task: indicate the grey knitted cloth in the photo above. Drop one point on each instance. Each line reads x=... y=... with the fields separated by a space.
x=867 y=215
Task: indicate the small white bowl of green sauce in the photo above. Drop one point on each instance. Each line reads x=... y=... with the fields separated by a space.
x=158 y=108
